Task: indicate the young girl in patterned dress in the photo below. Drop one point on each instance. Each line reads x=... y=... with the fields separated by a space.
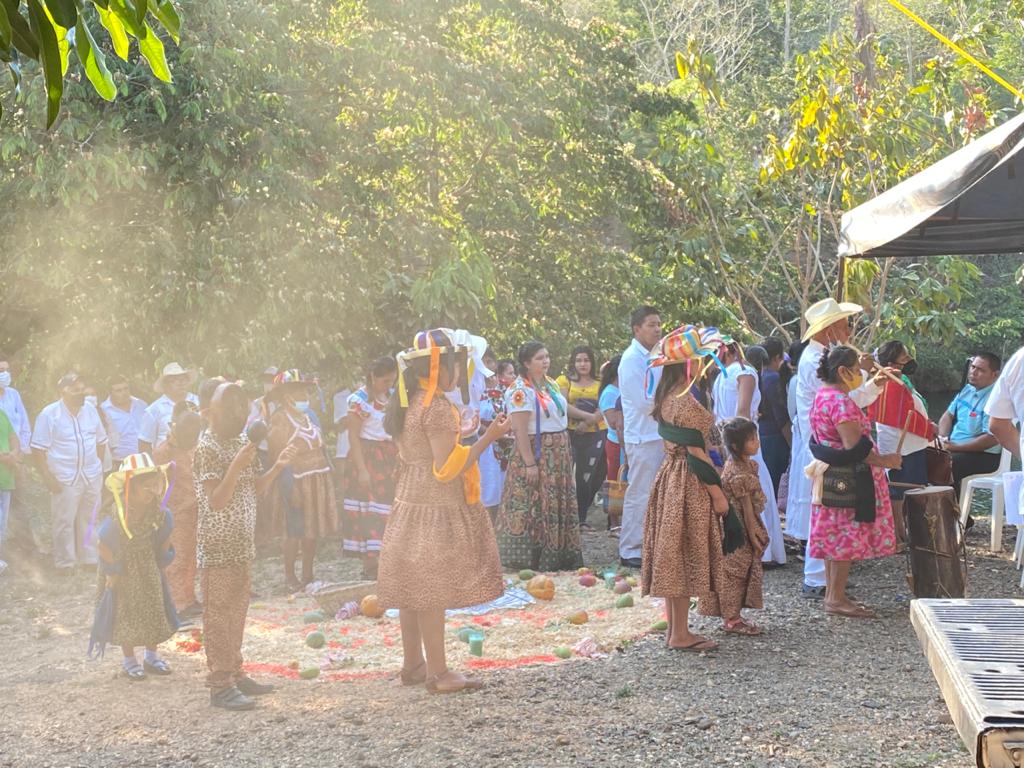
x=742 y=574
x=134 y=607
x=439 y=549
x=302 y=504
x=372 y=459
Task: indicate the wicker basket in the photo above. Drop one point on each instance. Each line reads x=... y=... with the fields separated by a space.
x=614 y=492
x=332 y=596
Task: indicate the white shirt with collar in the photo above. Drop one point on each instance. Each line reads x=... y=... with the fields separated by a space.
x=1006 y=401
x=70 y=441
x=638 y=424
x=11 y=404
x=123 y=427
x=156 y=421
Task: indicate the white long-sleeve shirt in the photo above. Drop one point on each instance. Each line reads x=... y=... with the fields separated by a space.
x=10 y=403
x=808 y=384
x=638 y=424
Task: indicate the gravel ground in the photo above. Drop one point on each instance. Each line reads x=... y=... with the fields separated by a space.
x=813 y=691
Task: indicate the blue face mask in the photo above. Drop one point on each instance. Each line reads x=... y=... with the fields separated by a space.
x=302 y=405
x=5 y=379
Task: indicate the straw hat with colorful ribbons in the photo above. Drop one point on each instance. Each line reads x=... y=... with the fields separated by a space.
x=433 y=344
x=119 y=482
x=688 y=344
x=290 y=379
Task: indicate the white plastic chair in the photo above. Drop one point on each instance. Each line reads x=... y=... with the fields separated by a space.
x=991 y=482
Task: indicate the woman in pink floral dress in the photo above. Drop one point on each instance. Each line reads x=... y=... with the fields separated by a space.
x=837 y=536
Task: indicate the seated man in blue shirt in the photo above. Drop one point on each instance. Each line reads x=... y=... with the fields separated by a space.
x=964 y=426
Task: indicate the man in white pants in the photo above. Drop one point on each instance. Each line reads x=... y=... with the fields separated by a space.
x=644 y=448
x=68 y=442
x=828 y=322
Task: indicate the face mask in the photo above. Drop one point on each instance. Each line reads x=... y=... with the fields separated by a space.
x=854 y=381
x=5 y=379
x=910 y=367
x=91 y=400
x=302 y=405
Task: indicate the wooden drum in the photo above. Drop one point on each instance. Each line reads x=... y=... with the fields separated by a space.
x=935 y=547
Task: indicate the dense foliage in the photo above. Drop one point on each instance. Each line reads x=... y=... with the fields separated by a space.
x=46 y=31
x=321 y=179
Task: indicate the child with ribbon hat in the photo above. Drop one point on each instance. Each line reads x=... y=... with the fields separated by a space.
x=439 y=550
x=134 y=606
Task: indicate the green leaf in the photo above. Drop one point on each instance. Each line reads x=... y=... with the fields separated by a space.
x=64 y=12
x=127 y=17
x=62 y=42
x=49 y=58
x=168 y=18
x=114 y=27
x=141 y=6
x=5 y=28
x=22 y=36
x=94 y=62
x=152 y=49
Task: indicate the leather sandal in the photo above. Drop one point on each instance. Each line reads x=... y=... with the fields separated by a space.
x=468 y=684
x=741 y=627
x=415 y=676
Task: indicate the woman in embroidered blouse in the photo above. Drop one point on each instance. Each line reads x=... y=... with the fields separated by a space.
x=587 y=430
x=302 y=503
x=372 y=461
x=538 y=522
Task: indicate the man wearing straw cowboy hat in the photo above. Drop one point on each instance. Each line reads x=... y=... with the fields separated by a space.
x=172 y=386
x=828 y=322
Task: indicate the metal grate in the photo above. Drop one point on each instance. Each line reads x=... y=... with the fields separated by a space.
x=976 y=652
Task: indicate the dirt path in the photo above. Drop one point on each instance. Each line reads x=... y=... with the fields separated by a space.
x=814 y=691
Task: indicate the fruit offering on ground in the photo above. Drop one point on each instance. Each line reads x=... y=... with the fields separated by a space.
x=584 y=571
x=293 y=664
x=310 y=673
x=621 y=588
x=541 y=587
x=562 y=652
x=316 y=639
x=370 y=607
x=578 y=617
x=626 y=601
x=526 y=574
x=660 y=626
x=588 y=580
x=313 y=617
x=632 y=581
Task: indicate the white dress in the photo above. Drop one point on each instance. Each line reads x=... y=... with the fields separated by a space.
x=726 y=396
x=492 y=476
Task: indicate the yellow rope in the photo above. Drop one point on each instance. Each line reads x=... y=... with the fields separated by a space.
x=935 y=33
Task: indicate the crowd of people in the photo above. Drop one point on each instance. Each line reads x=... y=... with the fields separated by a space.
x=446 y=456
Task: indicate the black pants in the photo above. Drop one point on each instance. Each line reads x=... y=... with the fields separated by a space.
x=967 y=464
x=591 y=467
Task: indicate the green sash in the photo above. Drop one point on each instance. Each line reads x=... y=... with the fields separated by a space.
x=733 y=536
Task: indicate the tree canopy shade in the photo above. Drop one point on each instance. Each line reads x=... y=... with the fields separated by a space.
x=969 y=202
x=46 y=30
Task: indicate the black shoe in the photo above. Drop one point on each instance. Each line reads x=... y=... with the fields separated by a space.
x=250 y=687
x=813 y=593
x=630 y=562
x=231 y=698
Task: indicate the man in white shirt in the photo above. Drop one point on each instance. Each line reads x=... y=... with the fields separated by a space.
x=1006 y=405
x=828 y=322
x=68 y=443
x=11 y=404
x=173 y=386
x=124 y=419
x=640 y=438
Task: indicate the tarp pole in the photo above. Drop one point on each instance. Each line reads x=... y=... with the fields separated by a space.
x=841 y=287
